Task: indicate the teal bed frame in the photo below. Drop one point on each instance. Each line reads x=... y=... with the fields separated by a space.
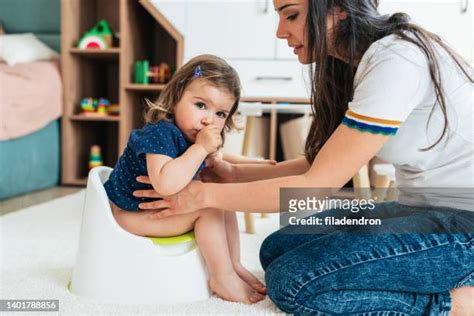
x=31 y=162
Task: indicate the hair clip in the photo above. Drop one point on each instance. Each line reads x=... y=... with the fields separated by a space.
x=198 y=72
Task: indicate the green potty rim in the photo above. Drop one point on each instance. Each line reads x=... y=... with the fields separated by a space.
x=174 y=240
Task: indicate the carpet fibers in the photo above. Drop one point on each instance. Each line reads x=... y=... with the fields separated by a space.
x=38 y=248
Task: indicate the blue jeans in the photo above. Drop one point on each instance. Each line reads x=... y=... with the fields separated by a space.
x=368 y=271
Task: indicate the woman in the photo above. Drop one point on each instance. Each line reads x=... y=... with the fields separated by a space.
x=380 y=86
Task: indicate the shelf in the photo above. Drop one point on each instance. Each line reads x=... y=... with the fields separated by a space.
x=109 y=53
x=79 y=117
x=144 y=87
x=108 y=73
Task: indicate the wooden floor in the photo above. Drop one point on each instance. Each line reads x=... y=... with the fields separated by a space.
x=20 y=202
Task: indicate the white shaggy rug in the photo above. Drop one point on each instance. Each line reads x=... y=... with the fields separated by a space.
x=38 y=248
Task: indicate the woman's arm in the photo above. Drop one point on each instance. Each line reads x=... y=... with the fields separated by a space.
x=221 y=171
x=239 y=159
x=169 y=176
x=346 y=151
x=254 y=172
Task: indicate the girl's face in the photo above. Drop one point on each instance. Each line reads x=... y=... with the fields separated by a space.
x=202 y=104
x=292 y=26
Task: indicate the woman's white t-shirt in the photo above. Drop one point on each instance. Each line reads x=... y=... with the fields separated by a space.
x=394 y=95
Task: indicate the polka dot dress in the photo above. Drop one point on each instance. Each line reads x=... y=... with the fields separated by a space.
x=162 y=138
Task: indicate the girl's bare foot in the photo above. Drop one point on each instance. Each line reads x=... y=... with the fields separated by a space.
x=462 y=301
x=232 y=288
x=249 y=278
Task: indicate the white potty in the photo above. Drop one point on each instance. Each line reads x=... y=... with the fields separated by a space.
x=116 y=266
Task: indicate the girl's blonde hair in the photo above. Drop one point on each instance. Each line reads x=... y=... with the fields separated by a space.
x=211 y=68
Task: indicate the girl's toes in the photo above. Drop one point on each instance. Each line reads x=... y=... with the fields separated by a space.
x=256 y=297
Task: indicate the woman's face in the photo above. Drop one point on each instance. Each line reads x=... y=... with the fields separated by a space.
x=292 y=26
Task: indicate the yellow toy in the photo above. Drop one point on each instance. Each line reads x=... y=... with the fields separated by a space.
x=95 y=158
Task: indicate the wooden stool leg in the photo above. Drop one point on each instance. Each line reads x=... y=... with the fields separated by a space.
x=249 y=130
x=273 y=139
x=248 y=134
x=382 y=182
x=361 y=184
x=392 y=192
x=249 y=223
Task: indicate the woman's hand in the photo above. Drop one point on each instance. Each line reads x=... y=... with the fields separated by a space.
x=188 y=200
x=218 y=170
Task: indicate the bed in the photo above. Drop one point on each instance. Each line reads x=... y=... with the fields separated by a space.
x=30 y=159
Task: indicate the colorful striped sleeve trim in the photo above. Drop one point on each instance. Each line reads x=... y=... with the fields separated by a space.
x=370 y=124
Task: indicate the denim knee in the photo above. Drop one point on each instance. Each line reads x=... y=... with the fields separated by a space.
x=267 y=250
x=282 y=284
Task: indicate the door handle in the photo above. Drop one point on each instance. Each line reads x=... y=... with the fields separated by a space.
x=464 y=6
x=265 y=7
x=274 y=78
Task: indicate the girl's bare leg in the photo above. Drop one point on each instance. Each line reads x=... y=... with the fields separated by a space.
x=233 y=241
x=211 y=237
x=209 y=228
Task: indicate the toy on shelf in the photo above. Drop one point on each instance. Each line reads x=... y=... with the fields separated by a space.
x=144 y=73
x=102 y=106
x=95 y=157
x=113 y=110
x=87 y=106
x=98 y=107
x=99 y=37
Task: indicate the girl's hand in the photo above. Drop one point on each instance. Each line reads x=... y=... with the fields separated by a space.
x=186 y=201
x=210 y=138
x=218 y=170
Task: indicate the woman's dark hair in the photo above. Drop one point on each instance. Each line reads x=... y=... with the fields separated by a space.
x=333 y=79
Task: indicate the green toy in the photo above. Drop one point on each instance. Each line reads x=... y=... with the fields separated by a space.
x=156 y=74
x=141 y=71
x=99 y=37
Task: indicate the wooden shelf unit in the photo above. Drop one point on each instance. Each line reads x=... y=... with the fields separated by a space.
x=144 y=34
x=109 y=118
x=110 y=53
x=145 y=87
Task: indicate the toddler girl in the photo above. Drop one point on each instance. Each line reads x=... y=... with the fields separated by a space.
x=183 y=128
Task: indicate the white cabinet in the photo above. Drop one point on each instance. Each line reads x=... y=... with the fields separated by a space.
x=244 y=33
x=272 y=78
x=450 y=19
x=234 y=29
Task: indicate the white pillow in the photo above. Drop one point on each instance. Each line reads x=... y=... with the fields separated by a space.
x=24 y=48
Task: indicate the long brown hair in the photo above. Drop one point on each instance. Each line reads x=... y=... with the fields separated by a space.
x=333 y=79
x=214 y=70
